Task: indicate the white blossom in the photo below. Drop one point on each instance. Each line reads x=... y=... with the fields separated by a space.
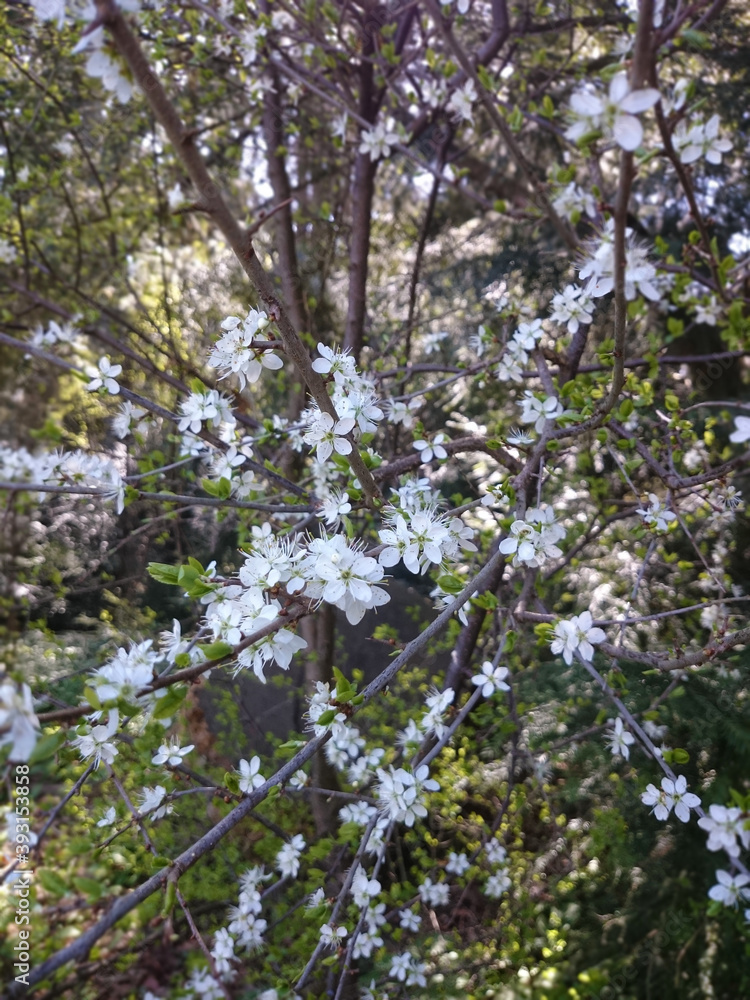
x=497 y=884
x=730 y=889
x=572 y=306
x=491 y=679
x=434 y=894
x=577 y=634
x=538 y=411
x=287 y=859
x=19 y=725
x=331 y=936
x=333 y=507
x=457 y=864
x=250 y=776
x=327 y=435
x=613 y=114
x=95 y=741
x=699 y=139
x=461 y=101
x=620 y=740
x=656 y=514
x=153 y=804
x=106 y=377
x=742 y=432
x=431 y=449
x=171 y=753
x=599 y=267
x=725 y=825
x=377 y=141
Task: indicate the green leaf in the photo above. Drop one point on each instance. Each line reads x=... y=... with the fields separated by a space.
x=164 y=573
x=626 y=408
x=170 y=897
x=88 y=886
x=52 y=882
x=450 y=584
x=167 y=705
x=485 y=601
x=92 y=698
x=215 y=650
x=515 y=119
x=695 y=39
x=47 y=747
x=220 y=490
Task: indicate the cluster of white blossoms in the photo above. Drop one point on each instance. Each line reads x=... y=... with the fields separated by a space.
x=533 y=539
x=700 y=139
x=517 y=350
x=728 y=829
x=576 y=635
x=499 y=881
x=377 y=141
x=434 y=894
x=77 y=468
x=102 y=66
x=423 y=537
x=54 y=333
x=612 y=114
x=244 y=932
x=326 y=568
x=288 y=857
x=402 y=793
x=126 y=673
x=210 y=408
x=19 y=725
x=237 y=611
x=572 y=307
x=354 y=399
x=573 y=201
x=339 y=573
x=408 y=970
x=671 y=795
x=599 y=267
x=438 y=703
x=238 y=352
